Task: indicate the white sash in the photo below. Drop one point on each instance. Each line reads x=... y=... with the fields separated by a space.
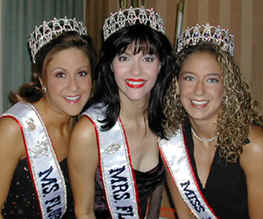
x=177 y=161
x=115 y=167
x=44 y=167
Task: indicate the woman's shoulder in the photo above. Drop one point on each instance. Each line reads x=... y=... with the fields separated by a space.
x=11 y=145
x=84 y=123
x=84 y=130
x=255 y=136
x=253 y=151
x=9 y=127
x=10 y=120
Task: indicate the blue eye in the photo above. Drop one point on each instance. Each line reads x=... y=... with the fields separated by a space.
x=213 y=80
x=188 y=78
x=60 y=75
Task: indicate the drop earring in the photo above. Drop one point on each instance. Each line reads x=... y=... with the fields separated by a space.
x=44 y=90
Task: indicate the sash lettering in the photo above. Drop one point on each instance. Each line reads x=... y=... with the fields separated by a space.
x=48 y=184
x=120 y=187
x=119 y=184
x=48 y=181
x=115 y=167
x=192 y=197
x=175 y=155
x=56 y=214
x=127 y=209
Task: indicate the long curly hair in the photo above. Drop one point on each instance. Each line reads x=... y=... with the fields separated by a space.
x=238 y=107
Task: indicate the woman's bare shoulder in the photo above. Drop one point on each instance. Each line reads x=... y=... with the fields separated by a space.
x=253 y=151
x=11 y=139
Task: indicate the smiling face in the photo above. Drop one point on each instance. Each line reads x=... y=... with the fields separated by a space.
x=68 y=81
x=201 y=86
x=135 y=74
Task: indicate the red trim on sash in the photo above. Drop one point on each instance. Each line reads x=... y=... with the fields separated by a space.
x=99 y=159
x=132 y=169
x=27 y=157
x=193 y=174
x=97 y=138
x=130 y=162
x=167 y=166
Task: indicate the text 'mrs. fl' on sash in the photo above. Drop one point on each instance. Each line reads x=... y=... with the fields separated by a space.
x=47 y=176
x=115 y=167
x=177 y=161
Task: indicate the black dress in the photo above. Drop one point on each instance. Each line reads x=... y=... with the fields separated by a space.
x=226 y=188
x=149 y=185
x=22 y=203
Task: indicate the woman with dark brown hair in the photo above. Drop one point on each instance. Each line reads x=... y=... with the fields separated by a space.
x=35 y=131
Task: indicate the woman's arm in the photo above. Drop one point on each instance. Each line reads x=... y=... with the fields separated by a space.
x=251 y=161
x=11 y=150
x=83 y=162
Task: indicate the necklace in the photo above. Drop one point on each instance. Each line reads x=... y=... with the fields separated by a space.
x=204 y=140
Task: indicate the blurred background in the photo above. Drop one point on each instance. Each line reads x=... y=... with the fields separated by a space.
x=243 y=18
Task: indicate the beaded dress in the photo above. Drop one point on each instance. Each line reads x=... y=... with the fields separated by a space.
x=22 y=202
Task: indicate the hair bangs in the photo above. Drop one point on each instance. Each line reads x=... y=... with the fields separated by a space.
x=137 y=45
x=144 y=46
x=138 y=38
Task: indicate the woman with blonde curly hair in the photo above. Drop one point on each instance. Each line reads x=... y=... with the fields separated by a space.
x=214 y=149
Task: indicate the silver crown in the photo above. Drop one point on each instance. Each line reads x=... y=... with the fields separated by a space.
x=131 y=16
x=49 y=30
x=198 y=33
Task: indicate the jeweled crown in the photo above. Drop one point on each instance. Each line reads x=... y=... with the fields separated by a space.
x=50 y=30
x=131 y=16
x=205 y=32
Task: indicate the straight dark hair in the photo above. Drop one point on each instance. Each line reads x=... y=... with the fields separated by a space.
x=148 y=41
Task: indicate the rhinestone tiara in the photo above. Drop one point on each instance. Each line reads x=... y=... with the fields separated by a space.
x=51 y=29
x=131 y=16
x=198 y=33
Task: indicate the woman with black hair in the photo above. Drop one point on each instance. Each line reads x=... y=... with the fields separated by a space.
x=115 y=142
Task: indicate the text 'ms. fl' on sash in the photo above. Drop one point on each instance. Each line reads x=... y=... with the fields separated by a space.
x=115 y=167
x=44 y=167
x=177 y=161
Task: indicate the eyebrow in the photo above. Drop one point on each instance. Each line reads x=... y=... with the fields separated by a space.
x=209 y=74
x=124 y=53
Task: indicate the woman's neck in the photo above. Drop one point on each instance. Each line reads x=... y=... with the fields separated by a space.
x=204 y=129
x=133 y=109
x=52 y=118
